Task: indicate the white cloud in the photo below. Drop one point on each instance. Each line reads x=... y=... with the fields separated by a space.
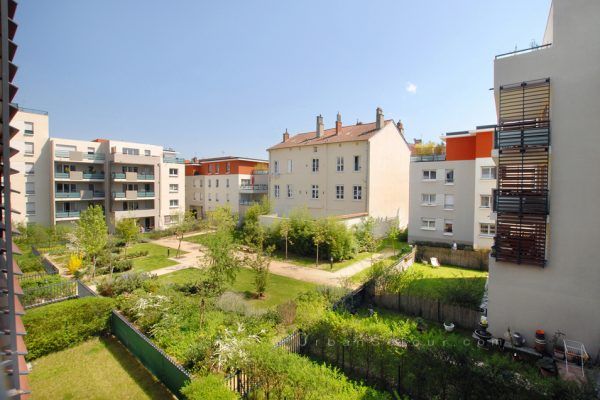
x=411 y=87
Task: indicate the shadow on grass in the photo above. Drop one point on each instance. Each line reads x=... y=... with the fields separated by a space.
x=134 y=368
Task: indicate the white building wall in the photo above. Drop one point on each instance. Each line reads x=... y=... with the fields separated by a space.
x=483 y=187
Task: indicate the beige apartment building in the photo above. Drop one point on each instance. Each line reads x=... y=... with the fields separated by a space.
x=347 y=171
x=62 y=177
x=545 y=273
x=451 y=193
x=236 y=181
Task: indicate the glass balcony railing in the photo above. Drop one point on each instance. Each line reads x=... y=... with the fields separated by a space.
x=260 y=172
x=93 y=175
x=67 y=214
x=145 y=177
x=61 y=153
x=67 y=195
x=118 y=195
x=173 y=160
x=61 y=175
x=428 y=157
x=145 y=194
x=98 y=194
x=254 y=188
x=118 y=175
x=95 y=156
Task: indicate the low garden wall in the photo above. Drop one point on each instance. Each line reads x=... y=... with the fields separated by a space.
x=48 y=265
x=473 y=259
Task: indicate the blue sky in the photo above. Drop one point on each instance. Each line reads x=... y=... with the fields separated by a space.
x=228 y=77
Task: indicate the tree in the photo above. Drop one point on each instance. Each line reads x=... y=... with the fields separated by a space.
x=393 y=234
x=185 y=223
x=251 y=226
x=285 y=227
x=92 y=233
x=222 y=262
x=260 y=265
x=319 y=236
x=128 y=231
x=365 y=236
x=223 y=219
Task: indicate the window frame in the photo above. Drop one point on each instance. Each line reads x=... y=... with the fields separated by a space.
x=356 y=161
x=314 y=193
x=339 y=164
x=490 y=176
x=446 y=181
x=447 y=205
x=315 y=165
x=339 y=192
x=432 y=199
x=489 y=201
x=276 y=191
x=428 y=173
x=426 y=223
x=357 y=192
x=449 y=222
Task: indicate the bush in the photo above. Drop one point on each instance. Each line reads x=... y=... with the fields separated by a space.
x=75 y=263
x=28 y=262
x=137 y=254
x=208 y=387
x=49 y=279
x=463 y=292
x=125 y=283
x=58 y=326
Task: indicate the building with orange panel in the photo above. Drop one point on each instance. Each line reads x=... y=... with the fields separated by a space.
x=236 y=181
x=451 y=193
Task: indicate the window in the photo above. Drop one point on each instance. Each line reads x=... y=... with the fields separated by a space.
x=429 y=175
x=356 y=163
x=210 y=183
x=28 y=131
x=218 y=168
x=147 y=153
x=194 y=182
x=448 y=227
x=486 y=201
x=29 y=169
x=245 y=182
x=488 y=172
x=227 y=197
x=131 y=205
x=201 y=182
x=339 y=166
x=228 y=168
x=276 y=191
x=216 y=183
x=173 y=203
x=29 y=188
x=173 y=188
x=315 y=165
x=486 y=229
x=217 y=197
x=167 y=219
x=130 y=151
x=29 y=148
x=428 y=199
x=196 y=196
x=428 y=224
x=210 y=197
x=127 y=168
x=357 y=192
x=210 y=168
x=173 y=172
x=30 y=208
x=339 y=192
x=227 y=182
x=276 y=167
x=315 y=192
x=448 y=202
x=91 y=150
x=290 y=166
x=290 y=191
x=315 y=149
x=449 y=176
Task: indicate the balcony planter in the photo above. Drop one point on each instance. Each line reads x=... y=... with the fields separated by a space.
x=448 y=326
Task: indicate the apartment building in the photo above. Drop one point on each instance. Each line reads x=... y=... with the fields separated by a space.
x=545 y=271
x=61 y=177
x=346 y=171
x=451 y=193
x=236 y=181
x=14 y=381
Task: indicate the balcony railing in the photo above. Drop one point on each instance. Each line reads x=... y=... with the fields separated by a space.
x=254 y=188
x=145 y=177
x=145 y=194
x=67 y=195
x=428 y=157
x=61 y=175
x=98 y=194
x=93 y=175
x=62 y=153
x=260 y=172
x=86 y=156
x=118 y=175
x=534 y=48
x=173 y=160
x=118 y=195
x=247 y=202
x=67 y=214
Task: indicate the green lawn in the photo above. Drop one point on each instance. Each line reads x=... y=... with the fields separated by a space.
x=198 y=239
x=156 y=258
x=323 y=264
x=433 y=282
x=279 y=288
x=96 y=369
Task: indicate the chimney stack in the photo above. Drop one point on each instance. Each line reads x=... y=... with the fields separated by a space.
x=338 y=124
x=320 y=126
x=400 y=127
x=379 y=121
x=286 y=136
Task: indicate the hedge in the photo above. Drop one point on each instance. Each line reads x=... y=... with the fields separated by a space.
x=208 y=387
x=61 y=325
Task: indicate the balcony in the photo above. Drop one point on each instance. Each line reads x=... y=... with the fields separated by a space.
x=134 y=159
x=79 y=176
x=260 y=172
x=133 y=195
x=145 y=177
x=67 y=214
x=428 y=158
x=118 y=195
x=259 y=188
x=78 y=156
x=67 y=195
x=79 y=195
x=248 y=202
x=145 y=194
x=132 y=176
x=173 y=160
x=139 y=213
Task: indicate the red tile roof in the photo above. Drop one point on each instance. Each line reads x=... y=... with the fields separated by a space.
x=349 y=133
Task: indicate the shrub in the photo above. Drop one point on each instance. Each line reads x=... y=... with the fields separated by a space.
x=49 y=279
x=463 y=291
x=75 y=263
x=137 y=254
x=126 y=283
x=28 y=262
x=287 y=312
x=208 y=387
x=58 y=326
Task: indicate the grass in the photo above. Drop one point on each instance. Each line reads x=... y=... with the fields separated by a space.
x=434 y=282
x=100 y=368
x=309 y=262
x=279 y=288
x=156 y=258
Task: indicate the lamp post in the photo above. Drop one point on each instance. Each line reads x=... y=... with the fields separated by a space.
x=330 y=262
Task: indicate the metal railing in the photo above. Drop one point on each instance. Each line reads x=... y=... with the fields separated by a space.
x=118 y=195
x=173 y=160
x=145 y=177
x=118 y=175
x=98 y=193
x=67 y=195
x=61 y=175
x=95 y=156
x=93 y=175
x=67 y=214
x=429 y=157
x=260 y=172
x=36 y=296
x=248 y=202
x=254 y=188
x=534 y=48
x=145 y=194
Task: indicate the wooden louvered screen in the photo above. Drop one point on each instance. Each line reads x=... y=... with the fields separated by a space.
x=521 y=202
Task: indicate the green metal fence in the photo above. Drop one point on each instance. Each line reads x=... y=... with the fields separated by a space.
x=172 y=375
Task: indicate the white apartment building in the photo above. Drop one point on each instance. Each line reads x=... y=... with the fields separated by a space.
x=545 y=273
x=62 y=177
x=236 y=181
x=451 y=193
x=347 y=171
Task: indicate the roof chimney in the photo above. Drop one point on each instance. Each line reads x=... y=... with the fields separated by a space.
x=286 y=136
x=400 y=127
x=379 y=121
x=320 y=127
x=338 y=124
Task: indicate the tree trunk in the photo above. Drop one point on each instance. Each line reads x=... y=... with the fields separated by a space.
x=317 y=255
x=286 y=248
x=179 y=246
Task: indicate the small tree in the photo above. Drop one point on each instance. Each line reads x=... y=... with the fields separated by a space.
x=92 y=233
x=319 y=236
x=393 y=234
x=185 y=223
x=285 y=227
x=128 y=231
x=223 y=219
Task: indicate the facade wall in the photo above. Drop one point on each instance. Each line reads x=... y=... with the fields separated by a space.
x=461 y=215
x=483 y=211
x=170 y=194
x=564 y=295
x=33 y=188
